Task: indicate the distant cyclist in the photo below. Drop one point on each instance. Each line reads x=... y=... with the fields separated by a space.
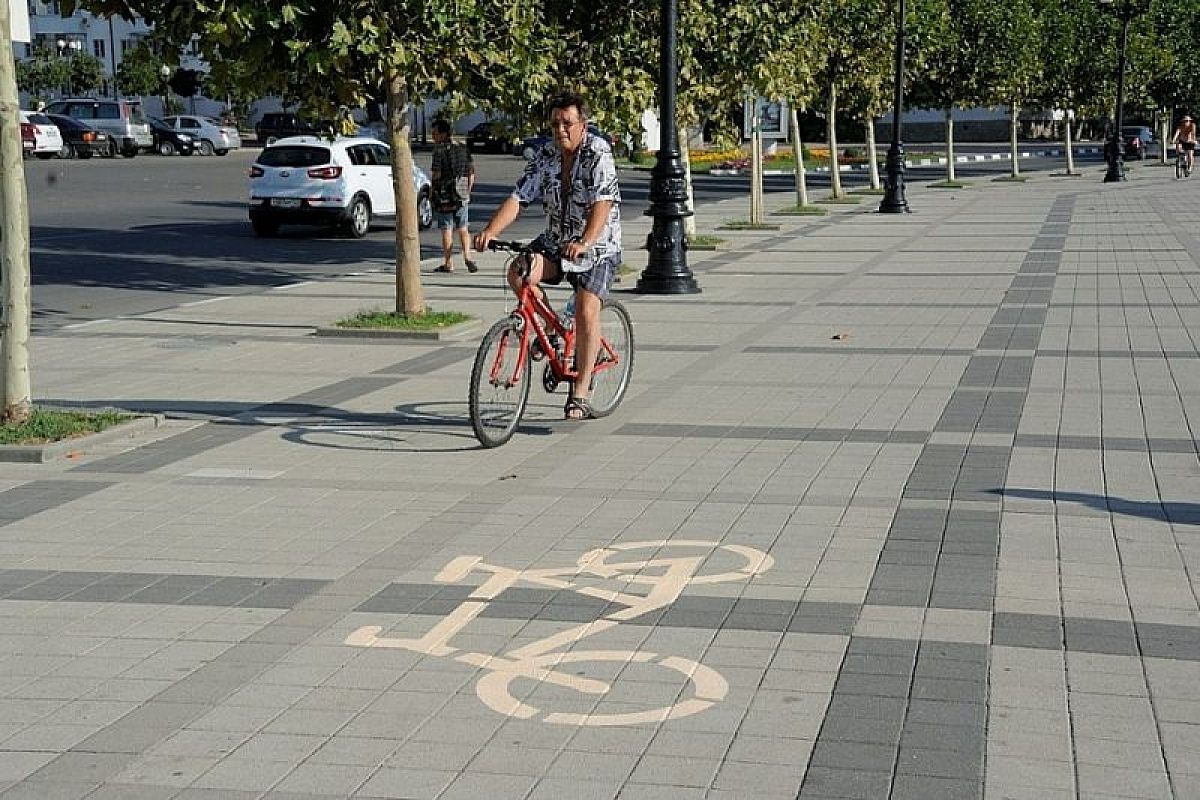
x=575 y=178
x=1185 y=137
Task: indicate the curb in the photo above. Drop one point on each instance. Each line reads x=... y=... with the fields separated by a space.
x=919 y=162
x=449 y=333
x=41 y=453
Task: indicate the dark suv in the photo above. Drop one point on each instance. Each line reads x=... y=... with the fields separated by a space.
x=280 y=125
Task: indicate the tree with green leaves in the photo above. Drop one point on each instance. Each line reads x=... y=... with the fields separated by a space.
x=335 y=53
x=1073 y=76
x=855 y=39
x=140 y=71
x=42 y=72
x=946 y=77
x=85 y=73
x=1007 y=57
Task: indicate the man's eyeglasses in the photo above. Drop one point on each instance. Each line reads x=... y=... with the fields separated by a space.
x=566 y=126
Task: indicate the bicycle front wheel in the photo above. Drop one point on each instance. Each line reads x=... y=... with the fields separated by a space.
x=614 y=362
x=499 y=385
x=1179 y=162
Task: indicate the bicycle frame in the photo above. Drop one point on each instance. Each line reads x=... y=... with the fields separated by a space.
x=537 y=316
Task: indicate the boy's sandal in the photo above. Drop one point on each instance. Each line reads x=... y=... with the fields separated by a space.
x=577 y=408
x=444 y=268
x=472 y=266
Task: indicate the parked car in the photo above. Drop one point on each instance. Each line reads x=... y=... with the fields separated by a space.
x=80 y=140
x=1137 y=139
x=210 y=135
x=43 y=133
x=529 y=147
x=344 y=183
x=168 y=141
x=28 y=139
x=281 y=125
x=122 y=121
x=483 y=138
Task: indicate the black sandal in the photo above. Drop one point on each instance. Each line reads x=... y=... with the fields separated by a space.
x=580 y=405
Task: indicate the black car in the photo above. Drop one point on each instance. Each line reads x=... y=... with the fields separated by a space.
x=487 y=138
x=81 y=140
x=168 y=141
x=280 y=125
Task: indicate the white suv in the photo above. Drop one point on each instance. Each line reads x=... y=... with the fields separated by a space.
x=346 y=182
x=47 y=138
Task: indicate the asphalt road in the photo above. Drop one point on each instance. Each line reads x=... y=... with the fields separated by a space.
x=112 y=238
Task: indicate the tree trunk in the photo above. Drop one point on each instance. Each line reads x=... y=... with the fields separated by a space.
x=756 y=167
x=872 y=161
x=410 y=298
x=1070 y=143
x=798 y=150
x=1013 y=124
x=835 y=176
x=950 y=176
x=16 y=399
x=1164 y=132
x=685 y=152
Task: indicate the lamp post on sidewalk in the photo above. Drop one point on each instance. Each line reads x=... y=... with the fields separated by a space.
x=667 y=269
x=73 y=47
x=894 y=201
x=1126 y=10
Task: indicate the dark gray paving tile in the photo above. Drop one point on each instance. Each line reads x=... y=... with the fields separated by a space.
x=923 y=787
x=839 y=754
x=844 y=783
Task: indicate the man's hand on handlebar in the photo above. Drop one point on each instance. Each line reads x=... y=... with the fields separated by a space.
x=573 y=251
x=483 y=239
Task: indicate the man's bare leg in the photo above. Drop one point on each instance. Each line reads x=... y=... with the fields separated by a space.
x=587 y=341
x=447 y=249
x=464 y=239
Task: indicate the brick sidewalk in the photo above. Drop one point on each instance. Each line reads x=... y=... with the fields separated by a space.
x=899 y=507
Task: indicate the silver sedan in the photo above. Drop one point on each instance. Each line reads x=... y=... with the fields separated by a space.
x=211 y=136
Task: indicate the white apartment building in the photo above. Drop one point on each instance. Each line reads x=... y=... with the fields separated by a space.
x=106 y=39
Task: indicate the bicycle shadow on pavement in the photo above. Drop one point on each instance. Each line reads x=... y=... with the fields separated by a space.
x=1181 y=513
x=315 y=425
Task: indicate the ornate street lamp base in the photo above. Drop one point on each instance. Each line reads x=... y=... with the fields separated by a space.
x=894 y=201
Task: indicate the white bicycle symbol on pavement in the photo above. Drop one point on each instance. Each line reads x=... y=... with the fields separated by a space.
x=663 y=578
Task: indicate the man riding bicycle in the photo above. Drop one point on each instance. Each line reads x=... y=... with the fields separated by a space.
x=1185 y=137
x=582 y=240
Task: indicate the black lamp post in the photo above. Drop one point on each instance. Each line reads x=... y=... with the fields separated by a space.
x=666 y=269
x=894 y=201
x=1116 y=147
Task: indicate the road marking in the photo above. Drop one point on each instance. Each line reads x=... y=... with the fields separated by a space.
x=663 y=579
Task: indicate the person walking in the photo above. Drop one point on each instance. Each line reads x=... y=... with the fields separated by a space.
x=453 y=179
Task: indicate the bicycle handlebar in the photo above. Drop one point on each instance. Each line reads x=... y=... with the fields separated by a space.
x=510 y=245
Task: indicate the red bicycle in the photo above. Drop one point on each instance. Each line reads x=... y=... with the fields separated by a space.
x=533 y=332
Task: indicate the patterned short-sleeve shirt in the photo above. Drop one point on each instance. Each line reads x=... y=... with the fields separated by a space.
x=593 y=179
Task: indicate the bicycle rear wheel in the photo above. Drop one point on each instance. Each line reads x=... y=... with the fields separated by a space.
x=498 y=391
x=614 y=363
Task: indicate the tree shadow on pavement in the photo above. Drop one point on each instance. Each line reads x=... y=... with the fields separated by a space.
x=1181 y=513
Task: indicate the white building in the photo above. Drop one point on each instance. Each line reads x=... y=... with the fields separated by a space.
x=106 y=39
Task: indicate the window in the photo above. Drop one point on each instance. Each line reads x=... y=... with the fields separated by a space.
x=107 y=111
x=98 y=48
x=294 y=156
